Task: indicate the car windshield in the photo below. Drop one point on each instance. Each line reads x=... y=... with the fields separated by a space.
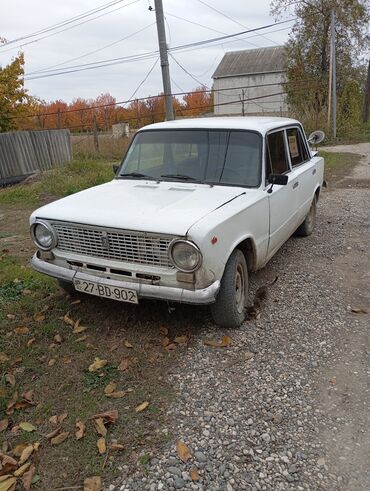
x=209 y=156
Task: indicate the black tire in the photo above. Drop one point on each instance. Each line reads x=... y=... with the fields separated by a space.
x=67 y=286
x=307 y=227
x=230 y=306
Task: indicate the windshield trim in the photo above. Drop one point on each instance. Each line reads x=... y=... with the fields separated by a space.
x=210 y=183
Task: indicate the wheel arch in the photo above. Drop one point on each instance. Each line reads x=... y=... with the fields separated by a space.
x=248 y=248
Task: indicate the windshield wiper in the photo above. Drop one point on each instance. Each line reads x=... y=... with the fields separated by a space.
x=180 y=176
x=136 y=174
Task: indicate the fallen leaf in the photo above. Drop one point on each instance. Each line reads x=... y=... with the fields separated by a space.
x=10 y=316
x=57 y=440
x=3 y=357
x=7 y=460
x=26 y=453
x=27 y=478
x=93 y=484
x=225 y=341
x=54 y=419
x=181 y=339
x=51 y=362
x=142 y=406
x=358 y=310
x=183 y=451
x=75 y=302
x=102 y=446
x=116 y=395
x=128 y=345
x=111 y=387
x=108 y=416
x=62 y=417
x=18 y=449
x=12 y=402
x=82 y=338
x=163 y=330
x=53 y=433
x=124 y=365
x=8 y=484
x=19 y=472
x=68 y=320
x=170 y=346
x=100 y=427
x=10 y=379
x=97 y=365
x=194 y=474
x=28 y=397
x=333 y=381
x=30 y=342
x=4 y=424
x=21 y=330
x=58 y=338
x=81 y=428
x=78 y=328
x=27 y=426
x=39 y=317
x=67 y=361
x=165 y=341
x=116 y=447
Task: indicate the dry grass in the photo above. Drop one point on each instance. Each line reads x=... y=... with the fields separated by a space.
x=110 y=148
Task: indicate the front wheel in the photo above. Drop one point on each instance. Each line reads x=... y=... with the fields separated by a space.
x=231 y=301
x=306 y=228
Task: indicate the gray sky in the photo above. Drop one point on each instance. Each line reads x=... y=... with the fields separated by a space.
x=22 y=17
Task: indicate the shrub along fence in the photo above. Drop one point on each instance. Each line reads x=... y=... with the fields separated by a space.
x=24 y=152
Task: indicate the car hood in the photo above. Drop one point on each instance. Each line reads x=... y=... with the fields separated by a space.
x=163 y=207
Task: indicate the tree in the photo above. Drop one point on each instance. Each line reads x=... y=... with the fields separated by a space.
x=198 y=101
x=308 y=47
x=14 y=100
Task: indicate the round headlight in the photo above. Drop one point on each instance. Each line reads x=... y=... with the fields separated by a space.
x=185 y=255
x=43 y=236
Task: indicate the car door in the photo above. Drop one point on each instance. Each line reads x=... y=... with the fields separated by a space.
x=282 y=203
x=303 y=171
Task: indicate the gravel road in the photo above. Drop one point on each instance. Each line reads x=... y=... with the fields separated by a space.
x=286 y=405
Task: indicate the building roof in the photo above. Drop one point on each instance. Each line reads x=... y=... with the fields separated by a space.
x=251 y=61
x=261 y=124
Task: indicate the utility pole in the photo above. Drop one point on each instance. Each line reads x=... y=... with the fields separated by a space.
x=164 y=59
x=242 y=100
x=334 y=74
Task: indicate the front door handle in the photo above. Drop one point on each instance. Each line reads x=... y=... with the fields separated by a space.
x=295 y=185
x=314 y=172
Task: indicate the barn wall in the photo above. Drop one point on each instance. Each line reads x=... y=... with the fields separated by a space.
x=267 y=105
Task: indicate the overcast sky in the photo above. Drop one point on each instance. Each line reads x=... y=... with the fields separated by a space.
x=22 y=17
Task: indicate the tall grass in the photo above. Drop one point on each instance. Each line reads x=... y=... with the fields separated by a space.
x=110 y=148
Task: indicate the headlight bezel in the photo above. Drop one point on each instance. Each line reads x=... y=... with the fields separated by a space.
x=193 y=246
x=54 y=237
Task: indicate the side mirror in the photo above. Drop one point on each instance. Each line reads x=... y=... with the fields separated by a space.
x=280 y=179
x=316 y=137
x=115 y=168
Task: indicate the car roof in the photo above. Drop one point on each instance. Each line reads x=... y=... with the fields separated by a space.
x=261 y=124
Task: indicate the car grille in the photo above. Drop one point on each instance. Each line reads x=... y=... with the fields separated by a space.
x=123 y=245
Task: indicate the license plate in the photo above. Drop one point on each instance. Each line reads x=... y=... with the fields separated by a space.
x=106 y=291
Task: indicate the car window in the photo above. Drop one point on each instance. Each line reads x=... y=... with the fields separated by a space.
x=214 y=156
x=277 y=161
x=297 y=148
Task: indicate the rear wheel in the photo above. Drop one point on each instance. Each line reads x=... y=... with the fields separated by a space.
x=231 y=301
x=307 y=227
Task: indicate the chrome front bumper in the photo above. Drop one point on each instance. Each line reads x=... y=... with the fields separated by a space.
x=203 y=296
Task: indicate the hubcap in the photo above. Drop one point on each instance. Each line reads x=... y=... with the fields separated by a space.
x=240 y=288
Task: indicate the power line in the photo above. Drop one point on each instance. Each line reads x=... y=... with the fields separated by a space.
x=114 y=61
x=70 y=27
x=187 y=72
x=144 y=79
x=49 y=68
x=232 y=20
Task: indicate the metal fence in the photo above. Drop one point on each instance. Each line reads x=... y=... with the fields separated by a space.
x=24 y=152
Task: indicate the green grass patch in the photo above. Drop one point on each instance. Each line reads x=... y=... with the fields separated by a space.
x=57 y=183
x=338 y=163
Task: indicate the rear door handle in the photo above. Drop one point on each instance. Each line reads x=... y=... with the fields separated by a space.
x=314 y=172
x=295 y=185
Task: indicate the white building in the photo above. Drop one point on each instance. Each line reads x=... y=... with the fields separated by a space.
x=253 y=80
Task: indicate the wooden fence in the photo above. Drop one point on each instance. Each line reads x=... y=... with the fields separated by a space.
x=24 y=152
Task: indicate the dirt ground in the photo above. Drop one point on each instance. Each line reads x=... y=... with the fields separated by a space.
x=338 y=387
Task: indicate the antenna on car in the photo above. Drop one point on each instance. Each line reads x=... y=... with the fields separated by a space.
x=316 y=137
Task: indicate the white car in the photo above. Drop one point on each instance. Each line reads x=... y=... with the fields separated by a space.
x=195 y=206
